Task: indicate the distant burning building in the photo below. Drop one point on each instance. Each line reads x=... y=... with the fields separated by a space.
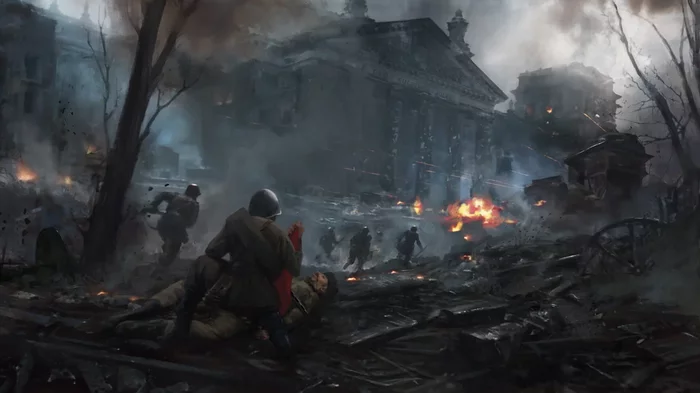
x=402 y=105
x=579 y=95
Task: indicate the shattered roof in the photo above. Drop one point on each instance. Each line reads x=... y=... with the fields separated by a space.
x=436 y=58
x=618 y=143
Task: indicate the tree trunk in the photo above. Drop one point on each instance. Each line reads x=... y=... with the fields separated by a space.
x=100 y=240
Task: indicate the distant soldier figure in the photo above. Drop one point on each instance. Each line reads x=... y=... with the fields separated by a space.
x=359 y=249
x=181 y=213
x=328 y=242
x=406 y=244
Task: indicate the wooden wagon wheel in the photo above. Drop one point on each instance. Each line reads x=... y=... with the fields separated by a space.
x=622 y=240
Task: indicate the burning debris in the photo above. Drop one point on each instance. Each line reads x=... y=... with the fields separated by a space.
x=418 y=206
x=540 y=203
x=24 y=173
x=477 y=209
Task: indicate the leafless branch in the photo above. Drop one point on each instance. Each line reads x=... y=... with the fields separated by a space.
x=187 y=8
x=103 y=62
x=680 y=68
x=162 y=104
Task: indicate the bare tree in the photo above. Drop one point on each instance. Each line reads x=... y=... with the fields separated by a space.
x=104 y=63
x=675 y=125
x=146 y=74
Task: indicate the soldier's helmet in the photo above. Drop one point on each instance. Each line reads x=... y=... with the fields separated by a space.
x=193 y=191
x=365 y=230
x=264 y=203
x=330 y=229
x=414 y=229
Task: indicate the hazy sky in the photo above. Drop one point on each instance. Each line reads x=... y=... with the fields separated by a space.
x=512 y=36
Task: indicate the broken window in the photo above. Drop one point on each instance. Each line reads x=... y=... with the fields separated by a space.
x=29 y=100
x=31 y=67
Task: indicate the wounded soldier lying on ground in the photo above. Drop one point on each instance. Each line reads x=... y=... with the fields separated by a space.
x=213 y=323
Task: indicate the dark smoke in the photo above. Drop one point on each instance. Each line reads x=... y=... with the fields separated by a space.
x=218 y=25
x=653 y=6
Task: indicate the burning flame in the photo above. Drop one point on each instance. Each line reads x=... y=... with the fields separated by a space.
x=420 y=277
x=352 y=279
x=468 y=237
x=393 y=272
x=101 y=293
x=90 y=149
x=540 y=203
x=133 y=298
x=549 y=109
x=400 y=203
x=66 y=180
x=24 y=173
x=418 y=206
x=467 y=257
x=476 y=209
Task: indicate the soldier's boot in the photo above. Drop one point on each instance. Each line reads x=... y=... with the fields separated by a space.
x=170 y=252
x=350 y=261
x=279 y=337
x=147 y=330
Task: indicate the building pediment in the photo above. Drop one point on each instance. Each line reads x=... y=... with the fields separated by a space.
x=418 y=48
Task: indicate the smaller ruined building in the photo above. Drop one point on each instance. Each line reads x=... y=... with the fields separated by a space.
x=611 y=168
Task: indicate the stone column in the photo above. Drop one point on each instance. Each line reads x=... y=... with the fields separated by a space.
x=395 y=105
x=455 y=154
x=425 y=150
x=483 y=168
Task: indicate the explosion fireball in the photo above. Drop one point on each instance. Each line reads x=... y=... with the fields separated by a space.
x=475 y=209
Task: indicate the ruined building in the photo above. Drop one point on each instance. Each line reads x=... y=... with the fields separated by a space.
x=579 y=95
x=27 y=72
x=395 y=106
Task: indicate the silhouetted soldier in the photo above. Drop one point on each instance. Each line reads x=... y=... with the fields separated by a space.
x=359 y=249
x=328 y=242
x=406 y=244
x=181 y=213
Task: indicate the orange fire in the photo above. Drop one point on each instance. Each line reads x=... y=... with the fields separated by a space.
x=400 y=203
x=418 y=206
x=468 y=237
x=476 y=209
x=133 y=298
x=419 y=277
x=467 y=257
x=549 y=109
x=540 y=203
x=66 y=180
x=352 y=279
x=24 y=173
x=90 y=149
x=101 y=293
x=393 y=272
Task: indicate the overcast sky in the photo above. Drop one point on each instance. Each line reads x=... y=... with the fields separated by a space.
x=509 y=37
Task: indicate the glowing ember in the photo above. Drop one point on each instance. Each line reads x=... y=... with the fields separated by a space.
x=101 y=293
x=393 y=272
x=24 y=173
x=66 y=180
x=90 y=149
x=467 y=257
x=468 y=237
x=352 y=279
x=400 y=203
x=475 y=209
x=420 y=277
x=549 y=109
x=133 y=298
x=418 y=206
x=540 y=203
x=511 y=221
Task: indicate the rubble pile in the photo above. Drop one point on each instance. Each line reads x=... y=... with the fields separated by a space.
x=509 y=318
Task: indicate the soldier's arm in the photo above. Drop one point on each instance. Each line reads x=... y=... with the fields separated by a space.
x=162 y=197
x=418 y=241
x=219 y=246
x=195 y=215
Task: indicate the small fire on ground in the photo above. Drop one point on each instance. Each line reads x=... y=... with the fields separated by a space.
x=24 y=173
x=468 y=237
x=418 y=206
x=131 y=298
x=540 y=203
x=476 y=209
x=467 y=257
